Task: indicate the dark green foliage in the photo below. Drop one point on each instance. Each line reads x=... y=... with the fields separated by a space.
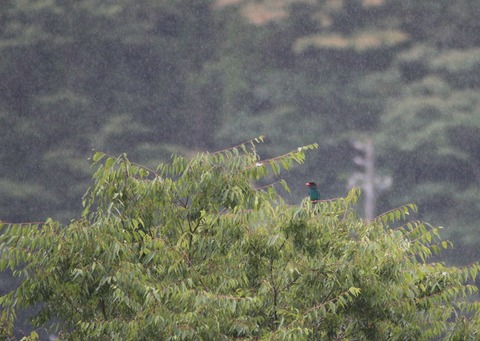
x=191 y=249
x=79 y=74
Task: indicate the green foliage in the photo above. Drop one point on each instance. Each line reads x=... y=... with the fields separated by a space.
x=429 y=124
x=153 y=78
x=192 y=249
x=77 y=74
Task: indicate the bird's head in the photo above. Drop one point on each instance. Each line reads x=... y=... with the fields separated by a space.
x=311 y=184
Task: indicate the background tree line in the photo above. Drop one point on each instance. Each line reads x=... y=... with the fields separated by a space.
x=154 y=77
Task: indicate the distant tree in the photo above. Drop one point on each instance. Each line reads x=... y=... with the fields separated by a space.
x=124 y=76
x=192 y=250
x=428 y=137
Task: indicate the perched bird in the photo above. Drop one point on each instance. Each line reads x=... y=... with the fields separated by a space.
x=313 y=191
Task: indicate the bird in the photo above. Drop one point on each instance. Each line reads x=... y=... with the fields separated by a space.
x=313 y=191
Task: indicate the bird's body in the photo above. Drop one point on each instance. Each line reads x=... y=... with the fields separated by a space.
x=313 y=192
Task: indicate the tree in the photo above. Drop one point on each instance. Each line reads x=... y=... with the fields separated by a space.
x=192 y=249
x=429 y=126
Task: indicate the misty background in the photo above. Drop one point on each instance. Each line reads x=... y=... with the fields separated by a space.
x=389 y=89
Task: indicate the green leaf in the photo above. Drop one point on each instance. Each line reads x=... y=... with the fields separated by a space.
x=97 y=156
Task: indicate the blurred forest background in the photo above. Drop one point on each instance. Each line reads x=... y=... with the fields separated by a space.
x=400 y=78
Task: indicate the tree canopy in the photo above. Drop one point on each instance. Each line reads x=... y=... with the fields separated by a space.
x=192 y=249
x=156 y=77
